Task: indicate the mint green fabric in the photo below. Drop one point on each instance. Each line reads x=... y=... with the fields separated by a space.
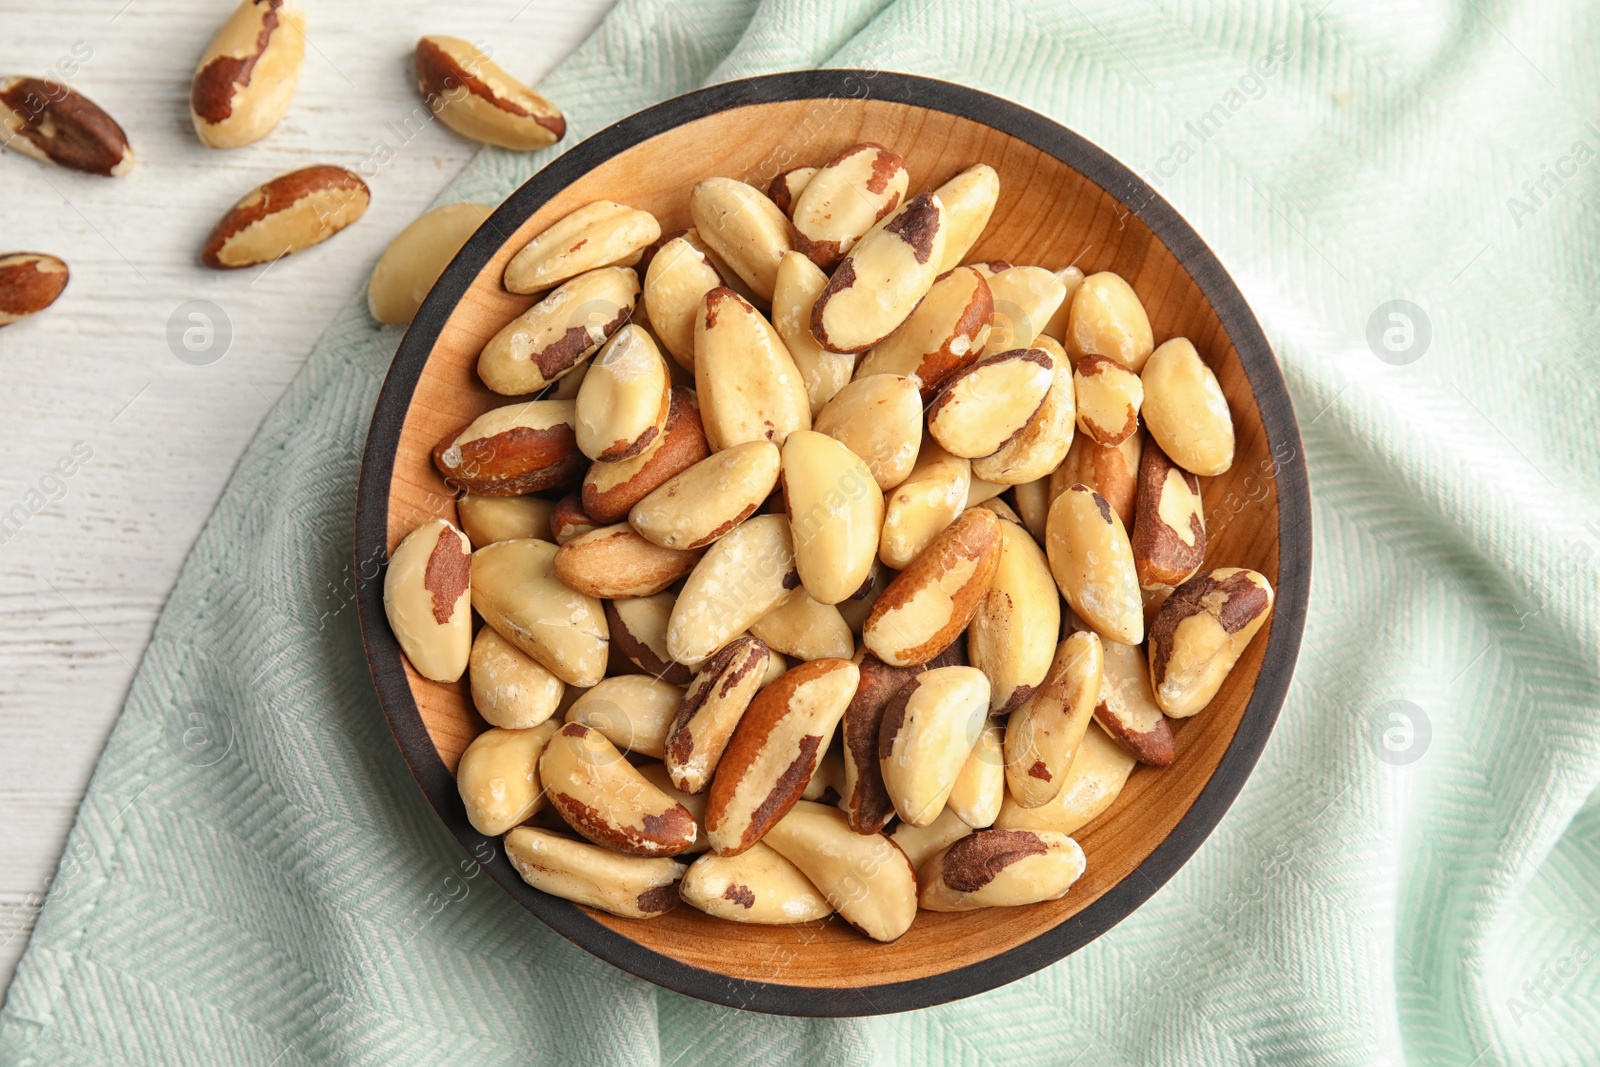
x=255 y=879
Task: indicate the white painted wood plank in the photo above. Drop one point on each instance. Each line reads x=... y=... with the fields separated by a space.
x=82 y=583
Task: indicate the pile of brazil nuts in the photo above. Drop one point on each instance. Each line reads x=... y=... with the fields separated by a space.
x=771 y=564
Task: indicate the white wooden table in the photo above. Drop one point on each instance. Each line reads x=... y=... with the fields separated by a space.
x=83 y=580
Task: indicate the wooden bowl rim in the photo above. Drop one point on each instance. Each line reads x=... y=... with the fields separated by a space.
x=1278 y=423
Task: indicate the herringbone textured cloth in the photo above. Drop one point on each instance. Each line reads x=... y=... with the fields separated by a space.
x=1412 y=874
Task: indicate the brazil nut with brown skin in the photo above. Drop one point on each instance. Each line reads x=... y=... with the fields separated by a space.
x=929 y=729
x=46 y=121
x=774 y=751
x=1169 y=528
x=1043 y=734
x=599 y=234
x=1109 y=396
x=943 y=336
x=632 y=887
x=426 y=596
x=846 y=198
x=610 y=490
x=1000 y=868
x=614 y=561
x=711 y=707
x=475 y=97
x=1111 y=471
x=749 y=386
x=700 y=504
x=288 y=214
x=756 y=886
x=566 y=327
x=929 y=603
x=1127 y=710
x=1200 y=633
x=1012 y=634
x=625 y=398
x=1099 y=771
x=786 y=187
x=29 y=283
x=568 y=520
x=1041 y=445
x=511 y=450
x=247 y=73
x=986 y=405
x=877 y=286
x=605 y=798
x=638 y=628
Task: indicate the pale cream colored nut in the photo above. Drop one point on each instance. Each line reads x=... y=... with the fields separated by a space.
x=865 y=801
x=1042 y=736
x=877 y=286
x=614 y=561
x=924 y=504
x=980 y=788
x=990 y=267
x=749 y=387
x=472 y=95
x=1025 y=299
x=553 y=337
x=638 y=628
x=969 y=199
x=629 y=886
x=487 y=519
x=806 y=630
x=775 y=750
x=498 y=777
x=922 y=843
x=605 y=798
x=981 y=409
x=426 y=593
x=1042 y=443
x=865 y=877
x=1109 y=396
x=845 y=199
x=740 y=578
x=1127 y=710
x=512 y=450
x=944 y=335
x=247 y=73
x=1185 y=410
x=829 y=775
x=680 y=275
x=1108 y=320
x=632 y=710
x=610 y=490
x=289 y=214
x=1070 y=278
x=1032 y=501
x=711 y=708
x=656 y=774
x=567 y=519
x=515 y=589
x=1092 y=562
x=509 y=688
x=787 y=187
x=879 y=418
x=795 y=293
x=29 y=283
x=567 y=386
x=1199 y=634
x=1012 y=634
x=1112 y=472
x=1000 y=868
x=625 y=398
x=601 y=234
x=47 y=121
x=930 y=602
x=835 y=512
x=745 y=229
x=698 y=505
x=928 y=732
x=1169 y=530
x=1098 y=772
x=758 y=886
x=1002 y=509
x=981 y=492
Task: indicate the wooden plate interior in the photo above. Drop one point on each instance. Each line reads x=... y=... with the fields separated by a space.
x=1050 y=215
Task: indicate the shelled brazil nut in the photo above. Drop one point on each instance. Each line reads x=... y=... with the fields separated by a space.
x=860 y=616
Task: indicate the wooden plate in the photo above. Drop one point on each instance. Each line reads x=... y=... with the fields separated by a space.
x=1062 y=201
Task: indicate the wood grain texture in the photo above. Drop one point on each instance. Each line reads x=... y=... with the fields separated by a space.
x=1051 y=214
x=85 y=578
